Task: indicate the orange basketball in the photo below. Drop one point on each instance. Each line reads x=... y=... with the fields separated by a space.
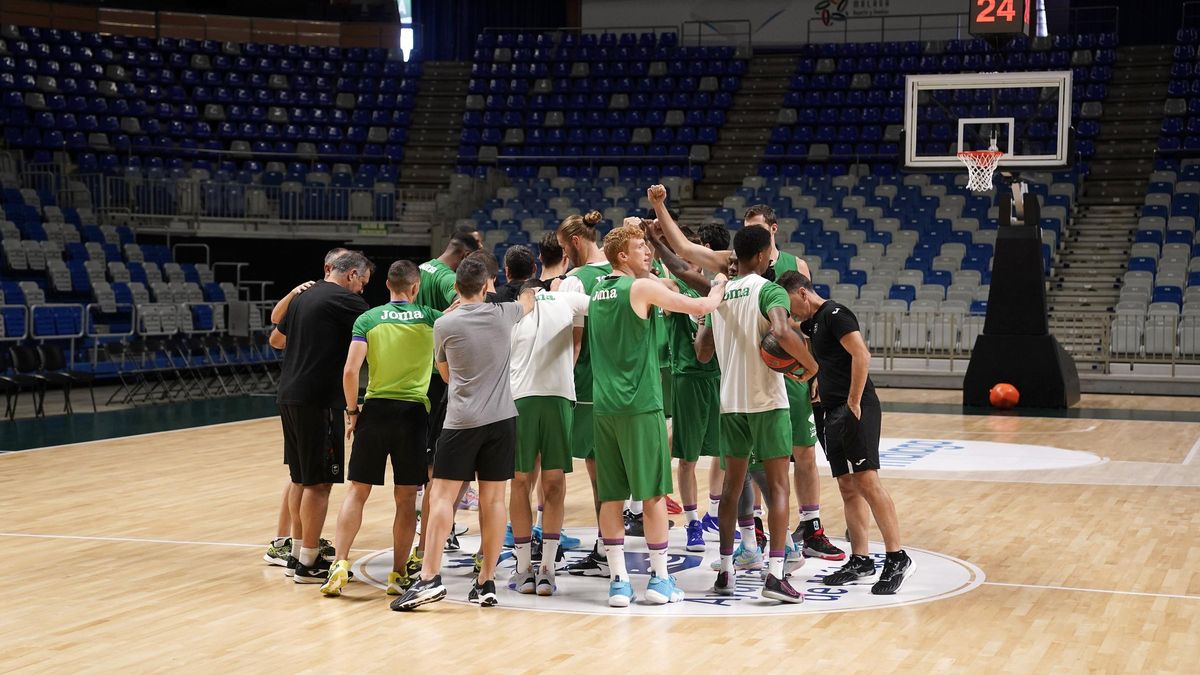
x=1004 y=396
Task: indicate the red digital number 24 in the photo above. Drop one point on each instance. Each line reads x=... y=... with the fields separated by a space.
x=990 y=11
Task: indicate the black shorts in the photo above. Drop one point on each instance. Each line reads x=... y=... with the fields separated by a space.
x=314 y=446
x=485 y=452
x=437 y=410
x=852 y=445
x=389 y=428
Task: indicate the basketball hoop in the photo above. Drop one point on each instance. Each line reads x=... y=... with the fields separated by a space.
x=980 y=166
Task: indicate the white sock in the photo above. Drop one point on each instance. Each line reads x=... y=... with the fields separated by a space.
x=809 y=515
x=549 y=553
x=691 y=515
x=775 y=566
x=635 y=507
x=539 y=518
x=308 y=556
x=748 y=538
x=523 y=555
x=658 y=562
x=616 y=561
x=714 y=506
x=727 y=563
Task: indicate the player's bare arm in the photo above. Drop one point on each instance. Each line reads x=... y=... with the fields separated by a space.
x=708 y=259
x=651 y=292
x=350 y=373
x=704 y=343
x=280 y=309
x=860 y=363
x=676 y=265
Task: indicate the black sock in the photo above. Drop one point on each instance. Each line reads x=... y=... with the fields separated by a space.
x=897 y=555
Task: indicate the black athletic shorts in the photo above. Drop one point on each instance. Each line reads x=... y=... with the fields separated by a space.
x=438 y=391
x=485 y=452
x=390 y=428
x=851 y=445
x=313 y=443
x=819 y=419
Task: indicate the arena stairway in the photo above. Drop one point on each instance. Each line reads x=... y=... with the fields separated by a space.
x=436 y=125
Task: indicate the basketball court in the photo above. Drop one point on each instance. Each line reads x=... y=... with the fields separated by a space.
x=1040 y=541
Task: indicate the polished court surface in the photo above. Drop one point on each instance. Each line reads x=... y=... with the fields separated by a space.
x=143 y=552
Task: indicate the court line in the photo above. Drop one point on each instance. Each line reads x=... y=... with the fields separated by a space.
x=1193 y=454
x=148 y=433
x=138 y=540
x=1092 y=590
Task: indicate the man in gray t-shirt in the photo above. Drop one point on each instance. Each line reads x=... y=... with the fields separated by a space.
x=479 y=436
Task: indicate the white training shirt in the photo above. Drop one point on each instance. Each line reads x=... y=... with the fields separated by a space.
x=543 y=357
x=747 y=384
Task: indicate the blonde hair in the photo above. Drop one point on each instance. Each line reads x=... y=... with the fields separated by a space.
x=580 y=226
x=618 y=239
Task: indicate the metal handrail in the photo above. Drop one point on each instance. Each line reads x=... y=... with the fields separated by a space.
x=51 y=306
x=186 y=312
x=204 y=247
x=24 y=323
x=715 y=32
x=121 y=307
x=602 y=30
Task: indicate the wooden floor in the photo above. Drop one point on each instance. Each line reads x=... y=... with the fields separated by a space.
x=143 y=553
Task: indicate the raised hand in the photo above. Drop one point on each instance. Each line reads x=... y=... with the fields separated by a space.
x=657 y=194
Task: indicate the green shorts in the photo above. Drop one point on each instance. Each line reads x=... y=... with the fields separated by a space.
x=804 y=427
x=757 y=436
x=631 y=456
x=543 y=428
x=583 y=444
x=696 y=417
x=668 y=389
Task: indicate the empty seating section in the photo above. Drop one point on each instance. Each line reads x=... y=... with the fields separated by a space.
x=846 y=101
x=1181 y=121
x=579 y=101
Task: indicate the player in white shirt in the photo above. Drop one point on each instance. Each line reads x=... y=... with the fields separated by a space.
x=755 y=414
x=545 y=345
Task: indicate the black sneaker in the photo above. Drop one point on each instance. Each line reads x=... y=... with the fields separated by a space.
x=857 y=567
x=420 y=593
x=781 y=590
x=327 y=550
x=452 y=542
x=290 y=569
x=724 y=584
x=895 y=571
x=811 y=536
x=535 y=549
x=484 y=594
x=634 y=527
x=760 y=535
x=592 y=565
x=317 y=573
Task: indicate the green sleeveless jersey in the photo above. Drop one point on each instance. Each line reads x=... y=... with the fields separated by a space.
x=786 y=262
x=587 y=275
x=437 y=285
x=624 y=355
x=682 y=328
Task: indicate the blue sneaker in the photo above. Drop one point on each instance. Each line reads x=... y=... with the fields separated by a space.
x=567 y=542
x=710 y=524
x=537 y=532
x=743 y=559
x=795 y=557
x=695 y=536
x=509 y=542
x=660 y=591
x=620 y=593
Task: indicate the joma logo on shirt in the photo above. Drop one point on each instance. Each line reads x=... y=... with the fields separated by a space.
x=609 y=294
x=737 y=293
x=427 y=267
x=389 y=315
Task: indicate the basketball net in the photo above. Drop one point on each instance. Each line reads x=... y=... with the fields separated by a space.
x=981 y=164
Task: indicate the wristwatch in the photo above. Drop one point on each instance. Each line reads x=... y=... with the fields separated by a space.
x=354 y=412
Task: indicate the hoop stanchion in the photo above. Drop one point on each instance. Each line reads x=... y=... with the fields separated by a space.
x=980 y=166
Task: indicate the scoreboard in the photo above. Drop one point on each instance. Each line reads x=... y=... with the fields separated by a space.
x=999 y=17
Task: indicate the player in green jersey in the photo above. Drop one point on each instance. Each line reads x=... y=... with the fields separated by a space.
x=396 y=340
x=632 y=459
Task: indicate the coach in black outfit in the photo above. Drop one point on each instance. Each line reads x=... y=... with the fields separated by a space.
x=316 y=332
x=851 y=432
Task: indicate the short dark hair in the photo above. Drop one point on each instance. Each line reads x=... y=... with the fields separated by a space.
x=471 y=277
x=403 y=273
x=464 y=241
x=519 y=262
x=763 y=210
x=551 y=250
x=792 y=280
x=488 y=260
x=750 y=241
x=352 y=260
x=333 y=254
x=689 y=233
x=715 y=236
x=466 y=228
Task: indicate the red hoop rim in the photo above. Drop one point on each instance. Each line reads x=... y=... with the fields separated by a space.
x=981 y=153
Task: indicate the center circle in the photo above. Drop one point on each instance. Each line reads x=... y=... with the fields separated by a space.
x=936 y=577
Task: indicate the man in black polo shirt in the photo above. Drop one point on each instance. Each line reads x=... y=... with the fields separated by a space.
x=851 y=432
x=316 y=332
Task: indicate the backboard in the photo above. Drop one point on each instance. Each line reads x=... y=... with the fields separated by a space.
x=1026 y=115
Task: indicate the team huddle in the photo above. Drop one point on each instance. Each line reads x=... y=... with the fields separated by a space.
x=653 y=329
